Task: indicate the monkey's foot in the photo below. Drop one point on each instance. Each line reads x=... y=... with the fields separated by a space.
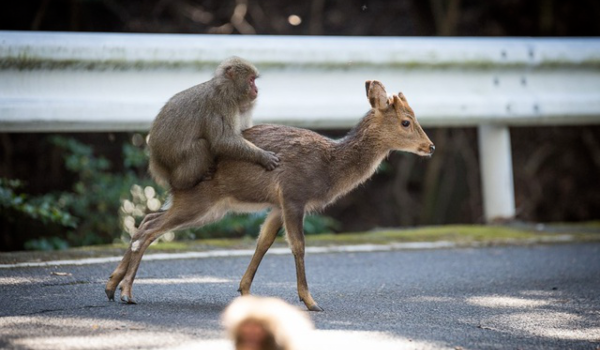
x=209 y=174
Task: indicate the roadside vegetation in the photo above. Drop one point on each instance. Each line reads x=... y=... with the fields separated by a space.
x=105 y=206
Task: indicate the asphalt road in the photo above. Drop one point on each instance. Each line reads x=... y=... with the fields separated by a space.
x=538 y=297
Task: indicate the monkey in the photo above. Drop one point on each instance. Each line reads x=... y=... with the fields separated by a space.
x=266 y=324
x=201 y=124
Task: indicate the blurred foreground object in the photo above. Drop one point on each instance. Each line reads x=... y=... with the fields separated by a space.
x=255 y=323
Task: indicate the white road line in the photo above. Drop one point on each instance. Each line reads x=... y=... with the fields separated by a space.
x=242 y=252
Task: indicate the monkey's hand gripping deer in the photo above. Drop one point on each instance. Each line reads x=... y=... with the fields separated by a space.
x=314 y=172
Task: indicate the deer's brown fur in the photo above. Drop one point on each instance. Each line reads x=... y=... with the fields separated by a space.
x=313 y=172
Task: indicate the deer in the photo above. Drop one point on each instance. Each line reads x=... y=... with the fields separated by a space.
x=314 y=171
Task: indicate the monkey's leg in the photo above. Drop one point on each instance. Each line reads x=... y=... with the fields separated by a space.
x=268 y=233
x=293 y=217
x=195 y=164
x=118 y=274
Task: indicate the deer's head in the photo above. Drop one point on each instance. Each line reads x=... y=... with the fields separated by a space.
x=398 y=125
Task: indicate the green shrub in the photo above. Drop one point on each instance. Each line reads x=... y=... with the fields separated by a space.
x=95 y=197
x=40 y=208
x=20 y=212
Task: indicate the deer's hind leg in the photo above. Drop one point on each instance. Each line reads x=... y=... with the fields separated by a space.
x=178 y=217
x=115 y=278
x=147 y=234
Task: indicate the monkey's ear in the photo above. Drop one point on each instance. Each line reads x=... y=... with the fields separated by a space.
x=377 y=95
x=230 y=72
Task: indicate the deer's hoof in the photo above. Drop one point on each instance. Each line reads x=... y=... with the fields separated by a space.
x=315 y=308
x=110 y=294
x=243 y=291
x=127 y=299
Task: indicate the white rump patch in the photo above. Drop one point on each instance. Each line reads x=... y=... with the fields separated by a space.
x=168 y=203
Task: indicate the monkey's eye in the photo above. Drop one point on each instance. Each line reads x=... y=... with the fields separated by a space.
x=405 y=123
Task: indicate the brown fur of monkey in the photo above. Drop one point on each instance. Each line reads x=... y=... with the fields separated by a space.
x=199 y=125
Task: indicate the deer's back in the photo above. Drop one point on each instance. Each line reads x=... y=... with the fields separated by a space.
x=290 y=142
x=303 y=174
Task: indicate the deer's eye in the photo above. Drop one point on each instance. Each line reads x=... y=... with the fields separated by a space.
x=405 y=123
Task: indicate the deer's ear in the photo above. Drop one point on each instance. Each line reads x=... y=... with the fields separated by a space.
x=400 y=101
x=376 y=94
x=402 y=97
x=398 y=104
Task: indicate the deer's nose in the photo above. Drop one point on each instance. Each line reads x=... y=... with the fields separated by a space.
x=431 y=148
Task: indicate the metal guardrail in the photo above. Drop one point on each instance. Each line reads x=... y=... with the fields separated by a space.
x=57 y=82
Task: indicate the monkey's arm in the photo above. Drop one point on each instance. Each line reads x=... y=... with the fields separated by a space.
x=236 y=147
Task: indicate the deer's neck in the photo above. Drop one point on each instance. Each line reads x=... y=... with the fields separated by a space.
x=356 y=157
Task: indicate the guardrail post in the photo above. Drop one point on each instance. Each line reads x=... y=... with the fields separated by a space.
x=495 y=161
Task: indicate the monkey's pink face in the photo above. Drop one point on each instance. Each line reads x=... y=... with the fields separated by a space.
x=253 y=89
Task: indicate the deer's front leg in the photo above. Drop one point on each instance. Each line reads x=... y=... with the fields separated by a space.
x=293 y=218
x=268 y=233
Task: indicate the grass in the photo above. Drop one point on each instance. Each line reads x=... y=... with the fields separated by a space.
x=459 y=234
x=454 y=233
